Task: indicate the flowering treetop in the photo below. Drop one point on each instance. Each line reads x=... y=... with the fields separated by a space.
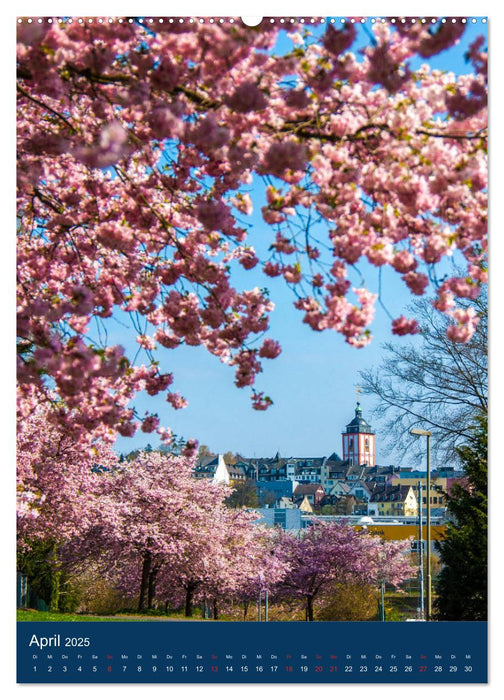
x=332 y=552
x=58 y=483
x=138 y=145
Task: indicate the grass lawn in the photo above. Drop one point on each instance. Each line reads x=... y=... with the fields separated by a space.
x=37 y=616
x=399 y=606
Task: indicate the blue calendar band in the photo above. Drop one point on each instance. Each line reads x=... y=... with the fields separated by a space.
x=251 y=652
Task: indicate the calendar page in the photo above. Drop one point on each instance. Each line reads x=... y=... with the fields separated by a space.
x=252 y=349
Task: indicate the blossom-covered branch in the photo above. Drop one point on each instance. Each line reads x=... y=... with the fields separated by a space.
x=138 y=144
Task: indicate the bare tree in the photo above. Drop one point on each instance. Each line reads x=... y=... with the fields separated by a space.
x=433 y=384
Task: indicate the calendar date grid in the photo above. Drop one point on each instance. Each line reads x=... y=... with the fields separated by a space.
x=129 y=664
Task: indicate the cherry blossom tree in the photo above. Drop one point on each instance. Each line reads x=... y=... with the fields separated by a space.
x=249 y=565
x=57 y=500
x=57 y=494
x=156 y=515
x=141 y=143
x=161 y=532
x=327 y=553
x=392 y=562
x=212 y=561
x=227 y=556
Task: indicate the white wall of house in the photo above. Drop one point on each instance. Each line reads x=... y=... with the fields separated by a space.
x=339 y=488
x=372 y=509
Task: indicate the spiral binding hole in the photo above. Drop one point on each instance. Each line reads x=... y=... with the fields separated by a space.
x=248 y=21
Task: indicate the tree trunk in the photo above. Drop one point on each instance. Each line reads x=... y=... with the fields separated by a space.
x=55 y=579
x=189 y=589
x=152 y=586
x=53 y=602
x=215 y=610
x=144 y=584
x=246 y=604
x=309 y=608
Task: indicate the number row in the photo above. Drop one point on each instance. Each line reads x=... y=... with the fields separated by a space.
x=257 y=669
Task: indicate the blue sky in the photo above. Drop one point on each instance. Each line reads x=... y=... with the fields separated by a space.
x=312 y=383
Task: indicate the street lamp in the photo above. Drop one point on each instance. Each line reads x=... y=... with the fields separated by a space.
x=420 y=553
x=427 y=433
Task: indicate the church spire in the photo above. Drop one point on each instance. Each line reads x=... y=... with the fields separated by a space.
x=358 y=409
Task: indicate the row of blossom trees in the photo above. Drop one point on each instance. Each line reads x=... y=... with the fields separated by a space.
x=157 y=533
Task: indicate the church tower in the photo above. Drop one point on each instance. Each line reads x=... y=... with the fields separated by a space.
x=359 y=441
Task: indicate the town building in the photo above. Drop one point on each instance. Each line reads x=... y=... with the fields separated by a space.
x=442 y=481
x=313 y=493
x=392 y=500
x=351 y=484
x=273 y=491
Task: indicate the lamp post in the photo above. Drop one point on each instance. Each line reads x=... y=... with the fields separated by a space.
x=420 y=553
x=427 y=433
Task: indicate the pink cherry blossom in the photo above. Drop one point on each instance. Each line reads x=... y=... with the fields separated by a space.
x=405 y=326
x=142 y=151
x=270 y=348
